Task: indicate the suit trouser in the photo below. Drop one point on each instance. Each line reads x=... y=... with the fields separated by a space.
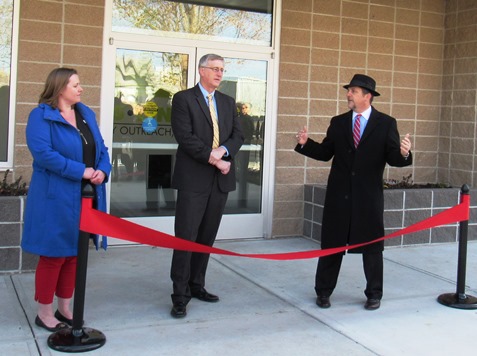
x=328 y=270
x=198 y=217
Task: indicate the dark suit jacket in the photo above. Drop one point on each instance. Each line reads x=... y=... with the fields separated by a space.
x=192 y=128
x=354 y=202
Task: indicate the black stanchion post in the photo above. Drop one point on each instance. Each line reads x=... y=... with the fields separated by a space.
x=79 y=338
x=459 y=299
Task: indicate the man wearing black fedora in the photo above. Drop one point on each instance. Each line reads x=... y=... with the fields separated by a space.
x=360 y=143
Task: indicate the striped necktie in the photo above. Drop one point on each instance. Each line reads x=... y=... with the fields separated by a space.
x=356 y=130
x=215 y=122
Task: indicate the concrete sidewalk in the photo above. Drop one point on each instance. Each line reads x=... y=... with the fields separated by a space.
x=266 y=307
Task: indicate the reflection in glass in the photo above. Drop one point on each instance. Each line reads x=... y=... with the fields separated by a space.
x=144 y=147
x=6 y=23
x=246 y=81
x=219 y=22
x=143 y=143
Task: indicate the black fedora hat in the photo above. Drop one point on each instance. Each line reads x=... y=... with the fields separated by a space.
x=363 y=81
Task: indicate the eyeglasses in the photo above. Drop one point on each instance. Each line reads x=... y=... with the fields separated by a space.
x=215 y=69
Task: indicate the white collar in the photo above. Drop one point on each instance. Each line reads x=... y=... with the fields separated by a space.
x=365 y=114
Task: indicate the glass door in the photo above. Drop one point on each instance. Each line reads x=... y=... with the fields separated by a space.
x=246 y=79
x=142 y=145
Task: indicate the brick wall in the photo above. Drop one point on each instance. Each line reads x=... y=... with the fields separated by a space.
x=457 y=136
x=52 y=34
x=402 y=208
x=323 y=44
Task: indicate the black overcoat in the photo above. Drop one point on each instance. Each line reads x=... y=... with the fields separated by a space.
x=354 y=202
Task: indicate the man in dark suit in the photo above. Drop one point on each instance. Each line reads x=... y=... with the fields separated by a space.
x=207 y=129
x=361 y=142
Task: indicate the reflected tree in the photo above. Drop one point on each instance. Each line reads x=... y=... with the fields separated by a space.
x=137 y=72
x=6 y=14
x=147 y=71
x=181 y=17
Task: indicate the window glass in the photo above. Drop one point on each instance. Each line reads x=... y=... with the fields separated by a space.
x=6 y=26
x=143 y=143
x=244 y=22
x=246 y=81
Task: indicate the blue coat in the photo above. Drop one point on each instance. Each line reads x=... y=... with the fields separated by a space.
x=52 y=214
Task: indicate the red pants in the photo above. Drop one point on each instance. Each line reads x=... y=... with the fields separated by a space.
x=55 y=275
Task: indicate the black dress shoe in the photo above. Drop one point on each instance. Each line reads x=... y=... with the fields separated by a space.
x=372 y=304
x=323 y=302
x=58 y=326
x=205 y=296
x=179 y=310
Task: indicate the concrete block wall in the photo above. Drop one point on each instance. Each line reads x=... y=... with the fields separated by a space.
x=12 y=258
x=423 y=55
x=402 y=208
x=55 y=34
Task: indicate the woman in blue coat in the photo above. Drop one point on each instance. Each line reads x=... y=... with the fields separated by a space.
x=68 y=151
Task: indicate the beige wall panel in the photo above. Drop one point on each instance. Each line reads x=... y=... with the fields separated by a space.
x=293 y=106
x=289 y=158
x=41 y=31
x=318 y=175
x=354 y=10
x=294 y=54
x=290 y=71
x=33 y=72
x=325 y=40
x=297 y=5
x=327 y=7
x=75 y=56
x=291 y=123
x=404 y=111
x=289 y=175
x=382 y=30
x=428 y=112
x=323 y=91
x=292 y=89
x=20 y=136
x=289 y=192
x=296 y=19
x=407 y=16
x=84 y=15
x=324 y=57
x=23 y=110
x=39 y=10
x=78 y=35
x=39 y=52
x=380 y=61
x=288 y=210
x=326 y=108
x=287 y=227
x=427 y=128
x=324 y=74
x=356 y=27
x=381 y=13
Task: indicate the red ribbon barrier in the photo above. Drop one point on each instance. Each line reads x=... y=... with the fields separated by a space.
x=96 y=222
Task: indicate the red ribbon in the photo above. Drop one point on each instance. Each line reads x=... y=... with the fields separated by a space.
x=96 y=222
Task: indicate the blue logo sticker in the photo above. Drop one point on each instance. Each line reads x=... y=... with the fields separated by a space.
x=149 y=125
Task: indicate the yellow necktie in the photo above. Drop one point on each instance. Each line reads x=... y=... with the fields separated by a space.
x=215 y=122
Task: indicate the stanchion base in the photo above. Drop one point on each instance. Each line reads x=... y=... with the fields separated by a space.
x=452 y=300
x=64 y=340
